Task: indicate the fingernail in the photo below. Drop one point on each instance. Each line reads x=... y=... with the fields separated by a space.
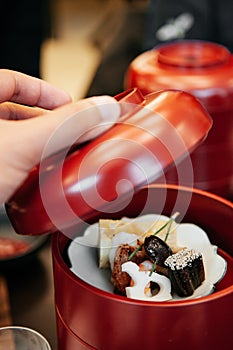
x=109 y=108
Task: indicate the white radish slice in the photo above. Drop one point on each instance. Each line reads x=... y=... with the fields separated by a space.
x=141 y=280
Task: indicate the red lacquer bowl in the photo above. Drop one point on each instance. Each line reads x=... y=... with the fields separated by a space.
x=154 y=133
x=89 y=318
x=206 y=70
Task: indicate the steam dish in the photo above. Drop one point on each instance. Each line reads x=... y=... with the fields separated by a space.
x=84 y=253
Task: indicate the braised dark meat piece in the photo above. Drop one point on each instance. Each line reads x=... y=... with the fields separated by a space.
x=120 y=279
x=186 y=271
x=156 y=249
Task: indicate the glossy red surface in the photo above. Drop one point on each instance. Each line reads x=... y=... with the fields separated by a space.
x=10 y=248
x=89 y=318
x=154 y=132
x=205 y=70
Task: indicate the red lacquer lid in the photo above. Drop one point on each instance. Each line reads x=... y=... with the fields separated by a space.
x=194 y=54
x=154 y=132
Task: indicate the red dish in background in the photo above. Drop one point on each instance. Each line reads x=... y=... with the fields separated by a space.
x=9 y=247
x=206 y=70
x=16 y=251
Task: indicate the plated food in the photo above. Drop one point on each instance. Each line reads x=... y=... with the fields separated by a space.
x=150 y=257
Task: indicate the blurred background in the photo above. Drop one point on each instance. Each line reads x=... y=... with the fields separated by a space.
x=85 y=47
x=66 y=41
x=91 y=44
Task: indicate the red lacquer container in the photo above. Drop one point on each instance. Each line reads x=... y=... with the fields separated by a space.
x=89 y=318
x=206 y=70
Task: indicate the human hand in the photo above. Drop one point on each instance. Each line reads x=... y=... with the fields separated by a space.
x=32 y=112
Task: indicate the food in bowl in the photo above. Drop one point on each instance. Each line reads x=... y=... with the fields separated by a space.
x=191 y=268
x=151 y=257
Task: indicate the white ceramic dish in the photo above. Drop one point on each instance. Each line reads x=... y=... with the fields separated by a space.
x=83 y=255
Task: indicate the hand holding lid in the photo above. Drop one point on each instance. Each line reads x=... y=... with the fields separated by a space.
x=153 y=132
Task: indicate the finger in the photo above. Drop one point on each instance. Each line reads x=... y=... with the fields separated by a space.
x=65 y=126
x=15 y=111
x=24 y=89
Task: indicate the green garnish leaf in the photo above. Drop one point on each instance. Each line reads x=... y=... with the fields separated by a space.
x=153 y=268
x=168 y=223
x=134 y=252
